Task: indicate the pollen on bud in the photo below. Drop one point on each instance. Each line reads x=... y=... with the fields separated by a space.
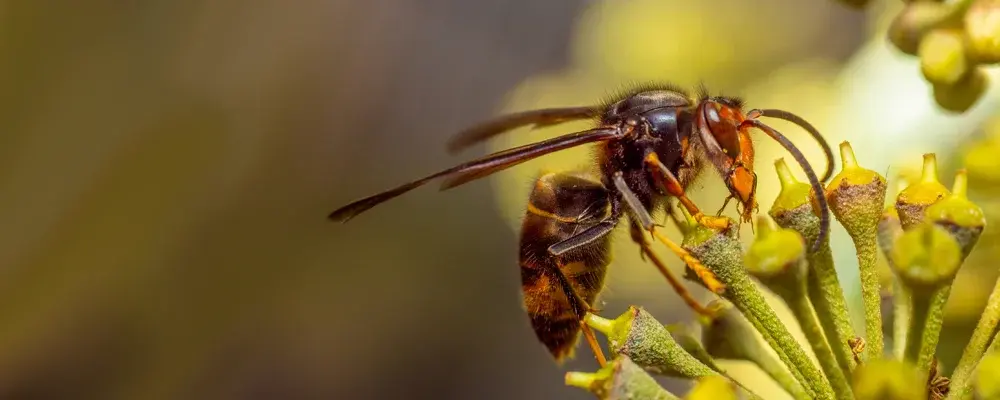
x=942 y=56
x=926 y=257
x=888 y=379
x=912 y=202
x=961 y=217
x=621 y=379
x=982 y=27
x=856 y=195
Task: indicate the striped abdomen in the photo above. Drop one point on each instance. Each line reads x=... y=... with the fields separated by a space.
x=561 y=206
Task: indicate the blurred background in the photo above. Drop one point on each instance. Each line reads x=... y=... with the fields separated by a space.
x=166 y=169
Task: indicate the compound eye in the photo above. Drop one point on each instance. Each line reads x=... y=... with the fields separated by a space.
x=723 y=124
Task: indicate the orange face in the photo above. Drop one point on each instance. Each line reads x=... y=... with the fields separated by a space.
x=730 y=149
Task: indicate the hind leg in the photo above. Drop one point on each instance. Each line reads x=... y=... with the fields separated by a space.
x=647 y=252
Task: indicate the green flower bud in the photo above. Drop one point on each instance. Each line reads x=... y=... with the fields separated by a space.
x=777 y=255
x=636 y=334
x=912 y=202
x=963 y=94
x=794 y=194
x=942 y=56
x=982 y=27
x=926 y=257
x=621 y=379
x=988 y=377
x=856 y=194
x=916 y=19
x=963 y=218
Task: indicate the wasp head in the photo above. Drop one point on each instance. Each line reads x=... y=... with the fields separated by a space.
x=730 y=149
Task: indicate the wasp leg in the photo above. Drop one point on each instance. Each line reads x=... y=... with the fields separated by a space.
x=643 y=218
x=588 y=236
x=581 y=308
x=671 y=212
x=673 y=186
x=675 y=283
x=724 y=204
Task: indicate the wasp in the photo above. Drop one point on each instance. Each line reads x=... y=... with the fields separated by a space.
x=650 y=143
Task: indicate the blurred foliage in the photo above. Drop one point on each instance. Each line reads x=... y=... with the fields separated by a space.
x=955 y=41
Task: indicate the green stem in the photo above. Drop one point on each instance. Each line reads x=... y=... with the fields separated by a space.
x=961 y=377
x=919 y=310
x=867 y=249
x=729 y=335
x=723 y=255
x=925 y=328
x=762 y=317
x=806 y=315
x=777 y=371
x=901 y=318
x=827 y=297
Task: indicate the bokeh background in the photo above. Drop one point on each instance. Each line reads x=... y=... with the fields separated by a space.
x=166 y=169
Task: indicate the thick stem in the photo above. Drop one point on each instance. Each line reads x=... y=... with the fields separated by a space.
x=722 y=253
x=806 y=316
x=867 y=248
x=926 y=320
x=827 y=297
x=961 y=387
x=919 y=309
x=901 y=318
x=729 y=335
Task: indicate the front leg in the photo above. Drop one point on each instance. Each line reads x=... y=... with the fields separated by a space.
x=673 y=186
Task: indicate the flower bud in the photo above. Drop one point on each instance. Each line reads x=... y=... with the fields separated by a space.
x=961 y=217
x=942 y=56
x=777 y=255
x=964 y=94
x=636 y=334
x=912 y=202
x=915 y=20
x=982 y=27
x=988 y=377
x=856 y=194
x=926 y=257
x=621 y=379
